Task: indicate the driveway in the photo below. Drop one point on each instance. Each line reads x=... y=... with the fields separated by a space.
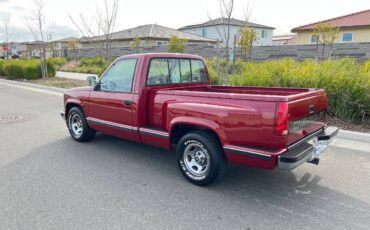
x=48 y=181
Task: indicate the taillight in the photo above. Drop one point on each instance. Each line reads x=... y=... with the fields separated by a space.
x=281 y=121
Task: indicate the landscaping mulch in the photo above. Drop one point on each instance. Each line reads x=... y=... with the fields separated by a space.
x=346 y=125
x=59 y=82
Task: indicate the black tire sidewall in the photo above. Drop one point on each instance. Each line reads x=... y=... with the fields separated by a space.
x=215 y=158
x=76 y=110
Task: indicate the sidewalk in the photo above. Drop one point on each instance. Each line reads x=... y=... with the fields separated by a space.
x=73 y=76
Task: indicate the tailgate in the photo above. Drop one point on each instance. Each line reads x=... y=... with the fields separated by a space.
x=306 y=116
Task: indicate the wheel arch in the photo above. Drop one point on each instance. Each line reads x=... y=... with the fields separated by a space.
x=69 y=105
x=180 y=128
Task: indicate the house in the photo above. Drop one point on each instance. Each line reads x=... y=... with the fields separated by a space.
x=353 y=27
x=150 y=35
x=33 y=49
x=289 y=39
x=215 y=29
x=14 y=47
x=60 y=47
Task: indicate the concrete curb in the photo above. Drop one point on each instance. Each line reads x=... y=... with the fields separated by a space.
x=33 y=85
x=352 y=135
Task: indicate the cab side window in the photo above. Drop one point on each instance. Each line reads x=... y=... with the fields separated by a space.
x=158 y=72
x=198 y=71
x=119 y=77
x=164 y=71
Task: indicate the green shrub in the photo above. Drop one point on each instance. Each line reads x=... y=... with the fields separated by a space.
x=1 y=67
x=57 y=62
x=31 y=69
x=88 y=65
x=346 y=81
x=176 y=45
x=13 y=69
x=94 y=61
x=25 y=69
x=89 y=69
x=51 y=68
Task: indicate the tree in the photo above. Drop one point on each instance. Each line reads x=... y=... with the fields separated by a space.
x=35 y=20
x=226 y=8
x=72 y=45
x=86 y=28
x=106 y=23
x=325 y=34
x=135 y=46
x=102 y=23
x=5 y=20
x=176 y=45
x=246 y=38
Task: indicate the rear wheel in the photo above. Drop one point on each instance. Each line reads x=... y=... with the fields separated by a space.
x=78 y=127
x=200 y=157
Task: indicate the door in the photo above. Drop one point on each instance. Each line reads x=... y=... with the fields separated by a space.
x=110 y=106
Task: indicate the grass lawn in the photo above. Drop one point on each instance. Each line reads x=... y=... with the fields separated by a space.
x=59 y=82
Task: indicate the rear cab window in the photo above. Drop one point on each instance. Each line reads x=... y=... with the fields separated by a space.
x=165 y=71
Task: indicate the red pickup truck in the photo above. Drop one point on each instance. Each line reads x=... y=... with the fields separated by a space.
x=166 y=100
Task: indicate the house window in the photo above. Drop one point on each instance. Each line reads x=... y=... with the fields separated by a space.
x=263 y=34
x=314 y=39
x=204 y=32
x=162 y=43
x=347 y=37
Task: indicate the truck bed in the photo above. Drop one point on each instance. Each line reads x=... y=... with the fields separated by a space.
x=250 y=93
x=245 y=114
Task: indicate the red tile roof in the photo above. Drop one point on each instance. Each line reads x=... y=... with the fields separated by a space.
x=359 y=19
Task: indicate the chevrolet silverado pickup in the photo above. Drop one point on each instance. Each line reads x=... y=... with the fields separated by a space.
x=166 y=100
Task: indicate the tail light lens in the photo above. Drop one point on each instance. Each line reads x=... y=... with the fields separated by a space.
x=281 y=121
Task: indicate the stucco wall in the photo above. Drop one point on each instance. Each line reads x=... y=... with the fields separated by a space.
x=358 y=35
x=359 y=51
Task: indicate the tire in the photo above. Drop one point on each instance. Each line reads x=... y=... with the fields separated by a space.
x=78 y=127
x=200 y=158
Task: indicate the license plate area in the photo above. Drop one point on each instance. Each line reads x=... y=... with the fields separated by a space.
x=318 y=147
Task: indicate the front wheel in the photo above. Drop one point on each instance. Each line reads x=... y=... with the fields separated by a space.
x=200 y=158
x=78 y=127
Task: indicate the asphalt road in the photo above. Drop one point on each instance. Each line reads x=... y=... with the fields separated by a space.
x=48 y=181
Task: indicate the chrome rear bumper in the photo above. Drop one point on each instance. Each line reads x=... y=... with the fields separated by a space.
x=307 y=149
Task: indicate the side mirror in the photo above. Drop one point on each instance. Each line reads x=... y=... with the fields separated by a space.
x=91 y=81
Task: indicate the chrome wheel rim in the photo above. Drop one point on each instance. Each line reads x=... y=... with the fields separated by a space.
x=196 y=159
x=76 y=125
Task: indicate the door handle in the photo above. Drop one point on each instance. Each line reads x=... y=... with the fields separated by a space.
x=128 y=102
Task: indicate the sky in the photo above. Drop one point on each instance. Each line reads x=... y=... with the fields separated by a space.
x=280 y=14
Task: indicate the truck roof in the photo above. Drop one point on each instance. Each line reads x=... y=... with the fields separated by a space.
x=161 y=55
